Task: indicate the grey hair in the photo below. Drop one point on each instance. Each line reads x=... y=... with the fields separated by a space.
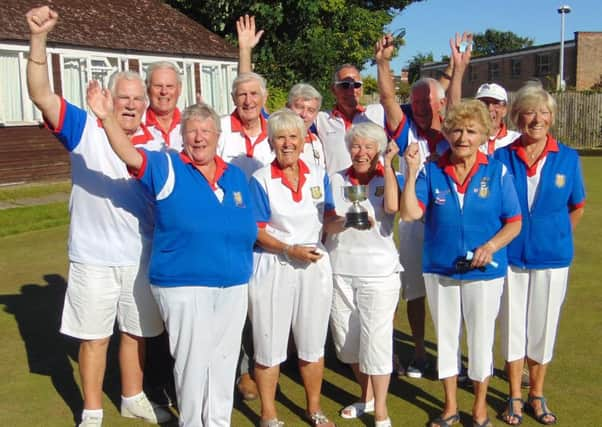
x=202 y=112
x=304 y=91
x=124 y=75
x=335 y=76
x=367 y=130
x=428 y=81
x=532 y=95
x=285 y=119
x=249 y=77
x=161 y=65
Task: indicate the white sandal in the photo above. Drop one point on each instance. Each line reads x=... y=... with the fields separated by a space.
x=357 y=409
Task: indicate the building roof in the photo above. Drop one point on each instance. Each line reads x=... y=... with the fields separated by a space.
x=143 y=26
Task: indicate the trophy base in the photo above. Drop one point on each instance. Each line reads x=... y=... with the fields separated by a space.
x=357 y=220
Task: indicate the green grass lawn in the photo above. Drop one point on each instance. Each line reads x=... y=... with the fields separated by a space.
x=38 y=366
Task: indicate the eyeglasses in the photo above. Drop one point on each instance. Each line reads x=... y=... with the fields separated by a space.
x=348 y=84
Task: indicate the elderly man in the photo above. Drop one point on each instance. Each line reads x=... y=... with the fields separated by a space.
x=495 y=98
x=164 y=86
x=332 y=126
x=428 y=102
x=111 y=226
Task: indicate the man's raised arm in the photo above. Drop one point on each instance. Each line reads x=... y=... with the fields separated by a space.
x=247 y=40
x=383 y=51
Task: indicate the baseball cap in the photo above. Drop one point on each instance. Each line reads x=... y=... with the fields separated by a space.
x=492 y=90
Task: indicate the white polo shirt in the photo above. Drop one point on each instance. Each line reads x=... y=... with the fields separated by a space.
x=236 y=147
x=173 y=137
x=364 y=253
x=111 y=212
x=504 y=137
x=313 y=151
x=331 y=128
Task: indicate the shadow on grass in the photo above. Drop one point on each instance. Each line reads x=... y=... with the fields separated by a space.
x=37 y=311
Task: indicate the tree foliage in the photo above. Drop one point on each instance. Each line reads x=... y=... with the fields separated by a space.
x=304 y=40
x=493 y=42
x=414 y=65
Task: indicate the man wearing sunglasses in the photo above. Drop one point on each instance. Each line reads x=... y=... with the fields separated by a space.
x=347 y=88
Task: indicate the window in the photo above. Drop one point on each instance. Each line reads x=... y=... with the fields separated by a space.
x=515 y=68
x=494 y=71
x=543 y=65
x=77 y=71
x=15 y=107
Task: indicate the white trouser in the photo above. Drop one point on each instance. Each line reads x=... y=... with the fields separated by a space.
x=411 y=239
x=205 y=327
x=476 y=302
x=531 y=308
x=361 y=320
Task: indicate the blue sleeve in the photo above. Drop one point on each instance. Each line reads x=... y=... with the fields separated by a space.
x=154 y=172
x=510 y=204
x=401 y=139
x=422 y=189
x=577 y=197
x=328 y=199
x=72 y=121
x=259 y=202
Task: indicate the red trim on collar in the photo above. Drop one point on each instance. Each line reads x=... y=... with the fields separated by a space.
x=348 y=122
x=310 y=137
x=220 y=168
x=491 y=140
x=236 y=126
x=448 y=168
x=378 y=171
x=151 y=120
x=277 y=172
x=142 y=135
x=433 y=140
x=518 y=146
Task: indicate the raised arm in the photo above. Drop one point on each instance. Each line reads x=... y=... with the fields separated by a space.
x=247 y=40
x=409 y=209
x=41 y=21
x=461 y=50
x=383 y=52
x=101 y=104
x=391 y=197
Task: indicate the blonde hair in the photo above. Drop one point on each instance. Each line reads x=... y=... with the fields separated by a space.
x=468 y=109
x=284 y=119
x=532 y=96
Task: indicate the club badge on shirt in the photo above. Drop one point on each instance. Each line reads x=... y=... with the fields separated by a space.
x=237 y=198
x=316 y=192
x=440 y=196
x=484 y=188
x=560 y=180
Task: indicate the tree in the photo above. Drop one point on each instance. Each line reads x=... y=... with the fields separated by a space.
x=493 y=42
x=370 y=85
x=304 y=40
x=414 y=65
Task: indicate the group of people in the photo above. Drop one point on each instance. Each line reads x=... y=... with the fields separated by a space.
x=232 y=234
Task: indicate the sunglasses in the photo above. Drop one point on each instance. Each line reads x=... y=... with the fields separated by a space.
x=348 y=84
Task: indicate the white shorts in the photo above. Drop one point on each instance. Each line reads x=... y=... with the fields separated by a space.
x=204 y=325
x=284 y=297
x=361 y=321
x=411 y=238
x=474 y=302
x=531 y=308
x=96 y=295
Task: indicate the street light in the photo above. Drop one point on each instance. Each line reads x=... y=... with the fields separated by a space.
x=562 y=10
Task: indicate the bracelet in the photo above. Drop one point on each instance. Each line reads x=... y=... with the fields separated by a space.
x=285 y=252
x=29 y=58
x=445 y=75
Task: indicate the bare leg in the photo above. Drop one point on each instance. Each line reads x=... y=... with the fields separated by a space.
x=479 y=407
x=312 y=374
x=416 y=317
x=380 y=385
x=515 y=371
x=131 y=362
x=364 y=381
x=266 y=378
x=537 y=374
x=92 y=365
x=450 y=387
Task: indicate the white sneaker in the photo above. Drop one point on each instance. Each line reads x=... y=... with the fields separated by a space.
x=142 y=408
x=383 y=423
x=91 y=422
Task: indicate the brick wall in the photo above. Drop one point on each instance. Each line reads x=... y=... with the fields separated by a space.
x=589 y=59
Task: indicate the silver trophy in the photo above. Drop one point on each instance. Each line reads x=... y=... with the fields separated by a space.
x=357 y=215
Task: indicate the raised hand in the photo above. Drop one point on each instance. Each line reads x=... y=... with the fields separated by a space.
x=412 y=158
x=247 y=37
x=461 y=49
x=41 y=20
x=384 y=48
x=390 y=152
x=99 y=100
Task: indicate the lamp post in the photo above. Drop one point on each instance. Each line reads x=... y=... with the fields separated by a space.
x=562 y=10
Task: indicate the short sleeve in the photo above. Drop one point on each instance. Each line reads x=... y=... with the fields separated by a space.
x=157 y=173
x=72 y=122
x=422 y=190
x=577 y=196
x=511 y=210
x=259 y=202
x=328 y=199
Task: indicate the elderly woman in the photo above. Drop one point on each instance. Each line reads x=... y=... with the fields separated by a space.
x=549 y=183
x=471 y=213
x=366 y=269
x=201 y=256
x=291 y=287
x=306 y=101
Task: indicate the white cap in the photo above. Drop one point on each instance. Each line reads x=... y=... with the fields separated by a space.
x=492 y=90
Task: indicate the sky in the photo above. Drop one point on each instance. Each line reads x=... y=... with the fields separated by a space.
x=430 y=23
